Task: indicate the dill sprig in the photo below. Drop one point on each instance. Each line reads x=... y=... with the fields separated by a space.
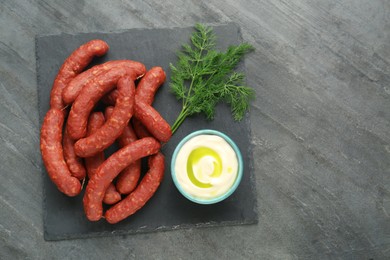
x=203 y=77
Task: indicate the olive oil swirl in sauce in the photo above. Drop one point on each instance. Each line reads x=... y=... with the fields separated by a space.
x=206 y=166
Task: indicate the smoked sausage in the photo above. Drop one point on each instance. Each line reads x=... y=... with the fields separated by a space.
x=128 y=179
x=72 y=66
x=51 y=130
x=149 y=84
x=53 y=156
x=72 y=90
x=113 y=128
x=146 y=90
x=111 y=167
x=153 y=121
x=95 y=121
x=89 y=96
x=144 y=191
x=111 y=196
x=75 y=163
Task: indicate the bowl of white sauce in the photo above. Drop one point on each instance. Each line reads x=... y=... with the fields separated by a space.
x=206 y=166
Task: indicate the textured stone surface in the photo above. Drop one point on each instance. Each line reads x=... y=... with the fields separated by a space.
x=320 y=128
x=64 y=217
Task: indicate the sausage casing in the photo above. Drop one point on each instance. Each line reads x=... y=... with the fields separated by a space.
x=110 y=168
x=73 y=89
x=127 y=180
x=146 y=90
x=52 y=153
x=114 y=125
x=96 y=120
x=75 y=163
x=149 y=84
x=51 y=130
x=153 y=121
x=144 y=191
x=73 y=65
x=88 y=98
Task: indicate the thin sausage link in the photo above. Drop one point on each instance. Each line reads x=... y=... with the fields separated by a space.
x=88 y=98
x=96 y=120
x=145 y=114
x=73 y=89
x=153 y=121
x=51 y=131
x=73 y=65
x=53 y=156
x=75 y=163
x=149 y=84
x=113 y=128
x=111 y=167
x=144 y=191
x=127 y=180
x=146 y=90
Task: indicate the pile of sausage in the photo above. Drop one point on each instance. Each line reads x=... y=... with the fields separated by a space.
x=74 y=134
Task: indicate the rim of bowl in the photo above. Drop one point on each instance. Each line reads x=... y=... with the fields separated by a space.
x=239 y=173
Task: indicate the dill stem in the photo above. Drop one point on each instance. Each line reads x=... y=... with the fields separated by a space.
x=180 y=119
x=185 y=103
x=184 y=111
x=194 y=73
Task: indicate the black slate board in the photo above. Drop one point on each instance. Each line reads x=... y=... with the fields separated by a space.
x=64 y=217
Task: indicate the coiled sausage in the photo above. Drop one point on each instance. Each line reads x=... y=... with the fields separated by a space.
x=96 y=120
x=53 y=156
x=51 y=130
x=128 y=179
x=72 y=90
x=111 y=167
x=73 y=65
x=144 y=191
x=75 y=163
x=146 y=90
x=149 y=84
x=144 y=112
x=153 y=121
x=113 y=128
x=89 y=96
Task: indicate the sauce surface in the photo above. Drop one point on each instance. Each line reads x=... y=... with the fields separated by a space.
x=206 y=166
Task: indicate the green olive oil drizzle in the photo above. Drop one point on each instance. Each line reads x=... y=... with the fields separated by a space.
x=195 y=157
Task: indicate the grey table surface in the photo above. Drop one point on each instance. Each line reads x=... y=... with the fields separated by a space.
x=320 y=128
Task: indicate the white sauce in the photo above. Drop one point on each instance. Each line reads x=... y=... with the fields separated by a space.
x=214 y=180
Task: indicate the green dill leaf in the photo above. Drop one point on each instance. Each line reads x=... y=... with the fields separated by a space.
x=203 y=77
x=237 y=96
